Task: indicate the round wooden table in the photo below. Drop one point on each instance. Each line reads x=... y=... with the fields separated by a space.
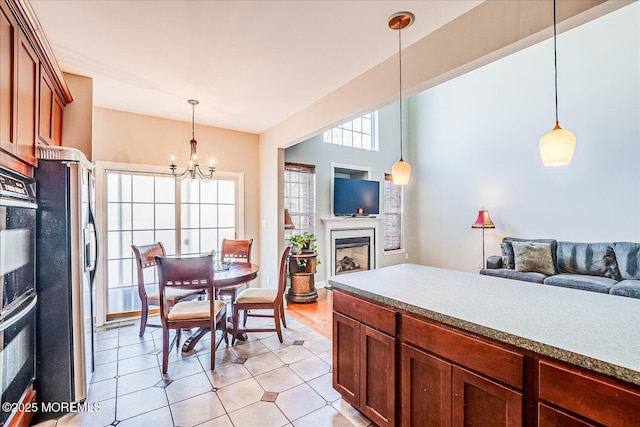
x=238 y=273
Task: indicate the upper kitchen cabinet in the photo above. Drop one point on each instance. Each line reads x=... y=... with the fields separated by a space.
x=33 y=92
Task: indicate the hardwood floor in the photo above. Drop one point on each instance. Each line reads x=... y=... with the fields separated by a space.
x=317 y=315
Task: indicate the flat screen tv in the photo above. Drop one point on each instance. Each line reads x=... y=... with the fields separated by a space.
x=351 y=195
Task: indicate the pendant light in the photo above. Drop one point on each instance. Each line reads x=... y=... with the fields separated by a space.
x=558 y=145
x=193 y=170
x=401 y=170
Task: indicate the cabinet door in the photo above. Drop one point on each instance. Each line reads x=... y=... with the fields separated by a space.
x=377 y=373
x=480 y=402
x=27 y=81
x=425 y=389
x=46 y=95
x=7 y=70
x=549 y=417
x=346 y=358
x=56 y=121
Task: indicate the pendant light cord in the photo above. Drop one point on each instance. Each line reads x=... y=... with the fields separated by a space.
x=555 y=58
x=400 y=79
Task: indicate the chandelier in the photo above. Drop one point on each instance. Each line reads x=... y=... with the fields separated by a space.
x=193 y=170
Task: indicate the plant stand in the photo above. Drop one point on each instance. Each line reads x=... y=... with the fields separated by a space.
x=302 y=289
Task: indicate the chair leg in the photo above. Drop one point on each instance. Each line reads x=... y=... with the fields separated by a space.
x=284 y=321
x=236 y=313
x=276 y=318
x=165 y=350
x=144 y=313
x=244 y=318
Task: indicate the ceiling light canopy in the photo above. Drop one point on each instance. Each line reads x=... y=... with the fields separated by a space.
x=558 y=145
x=193 y=170
x=401 y=170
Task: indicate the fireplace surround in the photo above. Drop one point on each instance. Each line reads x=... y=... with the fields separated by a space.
x=354 y=239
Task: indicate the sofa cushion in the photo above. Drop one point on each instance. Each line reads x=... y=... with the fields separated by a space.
x=594 y=259
x=626 y=288
x=533 y=257
x=628 y=258
x=510 y=273
x=509 y=248
x=581 y=281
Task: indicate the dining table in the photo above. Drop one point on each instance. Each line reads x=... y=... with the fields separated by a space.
x=231 y=274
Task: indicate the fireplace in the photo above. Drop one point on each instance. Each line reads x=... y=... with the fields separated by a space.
x=352 y=254
x=354 y=238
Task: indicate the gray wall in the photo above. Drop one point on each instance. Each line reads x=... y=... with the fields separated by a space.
x=475 y=143
x=315 y=151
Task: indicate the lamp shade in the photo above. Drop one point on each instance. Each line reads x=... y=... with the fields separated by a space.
x=557 y=147
x=401 y=172
x=288 y=222
x=483 y=220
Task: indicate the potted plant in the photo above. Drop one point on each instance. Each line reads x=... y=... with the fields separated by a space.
x=304 y=243
x=302 y=268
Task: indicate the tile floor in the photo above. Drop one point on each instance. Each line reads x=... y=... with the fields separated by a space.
x=260 y=382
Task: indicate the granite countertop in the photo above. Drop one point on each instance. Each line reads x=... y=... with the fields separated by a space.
x=597 y=331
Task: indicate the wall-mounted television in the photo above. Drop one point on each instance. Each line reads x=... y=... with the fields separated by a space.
x=351 y=195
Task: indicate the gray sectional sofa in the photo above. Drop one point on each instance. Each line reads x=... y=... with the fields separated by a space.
x=611 y=268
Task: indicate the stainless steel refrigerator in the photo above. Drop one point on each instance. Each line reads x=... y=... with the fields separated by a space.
x=66 y=249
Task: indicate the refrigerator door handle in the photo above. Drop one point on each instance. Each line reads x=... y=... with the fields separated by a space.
x=12 y=318
x=94 y=256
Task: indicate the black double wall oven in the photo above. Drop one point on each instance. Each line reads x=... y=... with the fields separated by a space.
x=18 y=293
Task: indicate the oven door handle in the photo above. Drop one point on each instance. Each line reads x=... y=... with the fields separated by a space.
x=11 y=318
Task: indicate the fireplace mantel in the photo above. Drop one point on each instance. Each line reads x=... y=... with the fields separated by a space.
x=350 y=223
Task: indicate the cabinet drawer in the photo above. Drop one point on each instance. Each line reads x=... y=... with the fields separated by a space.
x=489 y=359
x=588 y=395
x=373 y=315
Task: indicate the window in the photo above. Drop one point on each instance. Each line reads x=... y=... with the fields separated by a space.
x=358 y=133
x=392 y=214
x=189 y=217
x=300 y=197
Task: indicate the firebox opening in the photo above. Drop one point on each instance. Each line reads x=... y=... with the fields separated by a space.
x=352 y=254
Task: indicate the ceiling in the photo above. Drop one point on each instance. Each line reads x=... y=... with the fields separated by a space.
x=251 y=64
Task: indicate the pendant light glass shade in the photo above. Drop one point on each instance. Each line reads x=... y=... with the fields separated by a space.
x=557 y=147
x=401 y=172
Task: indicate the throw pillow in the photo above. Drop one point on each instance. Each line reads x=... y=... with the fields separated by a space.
x=507 y=255
x=533 y=257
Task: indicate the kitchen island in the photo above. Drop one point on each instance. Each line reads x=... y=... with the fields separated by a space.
x=422 y=345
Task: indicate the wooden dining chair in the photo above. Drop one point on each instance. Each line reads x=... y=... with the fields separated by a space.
x=263 y=299
x=234 y=251
x=145 y=259
x=196 y=274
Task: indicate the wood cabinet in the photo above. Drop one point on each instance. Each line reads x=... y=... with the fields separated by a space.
x=593 y=399
x=364 y=357
x=32 y=90
x=447 y=376
x=451 y=379
x=427 y=387
x=51 y=108
x=26 y=111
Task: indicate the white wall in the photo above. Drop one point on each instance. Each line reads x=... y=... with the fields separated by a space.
x=475 y=143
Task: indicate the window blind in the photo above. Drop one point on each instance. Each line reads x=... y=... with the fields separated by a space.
x=392 y=214
x=300 y=197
